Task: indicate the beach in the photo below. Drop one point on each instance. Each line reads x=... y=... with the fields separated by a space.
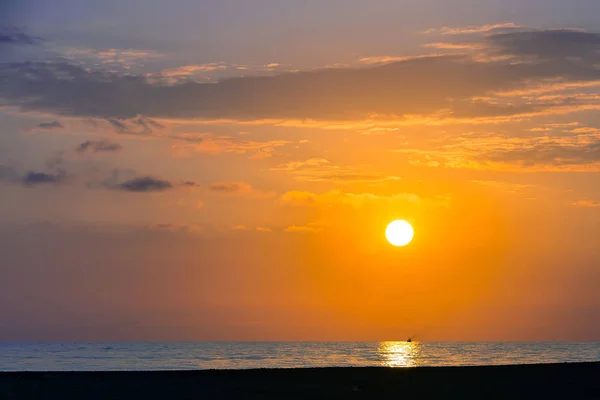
x=560 y=381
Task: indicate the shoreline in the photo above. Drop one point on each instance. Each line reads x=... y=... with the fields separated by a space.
x=564 y=380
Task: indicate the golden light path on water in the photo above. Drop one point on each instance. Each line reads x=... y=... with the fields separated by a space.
x=399 y=354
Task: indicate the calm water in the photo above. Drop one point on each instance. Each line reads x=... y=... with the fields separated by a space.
x=162 y=356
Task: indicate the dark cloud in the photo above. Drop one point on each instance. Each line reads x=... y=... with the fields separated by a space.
x=550 y=44
x=98 y=146
x=119 y=126
x=144 y=185
x=132 y=126
x=50 y=125
x=32 y=178
x=148 y=124
x=12 y=35
x=414 y=86
x=186 y=138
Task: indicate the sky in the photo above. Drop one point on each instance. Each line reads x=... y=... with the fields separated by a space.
x=225 y=170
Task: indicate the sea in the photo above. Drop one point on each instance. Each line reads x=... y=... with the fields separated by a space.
x=221 y=355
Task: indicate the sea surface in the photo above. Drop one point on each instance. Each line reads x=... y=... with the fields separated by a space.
x=192 y=356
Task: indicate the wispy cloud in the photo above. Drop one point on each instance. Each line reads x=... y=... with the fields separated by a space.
x=505 y=186
x=216 y=144
x=355 y=200
x=172 y=227
x=321 y=170
x=241 y=189
x=187 y=70
x=392 y=59
x=474 y=29
x=586 y=203
x=566 y=152
x=124 y=59
x=50 y=125
x=98 y=146
x=455 y=46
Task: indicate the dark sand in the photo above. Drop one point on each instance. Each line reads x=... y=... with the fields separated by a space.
x=556 y=381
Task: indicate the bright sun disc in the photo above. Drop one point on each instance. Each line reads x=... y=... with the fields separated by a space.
x=399 y=233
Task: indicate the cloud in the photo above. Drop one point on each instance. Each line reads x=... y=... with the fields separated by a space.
x=32 y=178
x=240 y=228
x=145 y=184
x=302 y=229
x=138 y=125
x=263 y=230
x=474 y=29
x=215 y=144
x=50 y=125
x=171 y=227
x=111 y=58
x=336 y=198
x=586 y=204
x=227 y=187
x=117 y=124
x=567 y=152
x=505 y=186
x=455 y=46
x=553 y=154
x=550 y=44
x=321 y=170
x=392 y=59
x=436 y=88
x=190 y=184
x=11 y=35
x=129 y=181
x=188 y=70
x=241 y=189
x=97 y=146
x=110 y=54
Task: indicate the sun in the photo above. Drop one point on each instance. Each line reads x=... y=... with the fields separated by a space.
x=399 y=233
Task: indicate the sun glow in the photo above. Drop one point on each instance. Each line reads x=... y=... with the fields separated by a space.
x=399 y=233
x=399 y=354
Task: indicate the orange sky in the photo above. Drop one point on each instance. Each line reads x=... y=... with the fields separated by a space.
x=148 y=201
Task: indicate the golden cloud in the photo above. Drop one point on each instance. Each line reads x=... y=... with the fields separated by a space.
x=321 y=170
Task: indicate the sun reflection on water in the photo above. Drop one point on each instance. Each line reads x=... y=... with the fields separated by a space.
x=399 y=354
